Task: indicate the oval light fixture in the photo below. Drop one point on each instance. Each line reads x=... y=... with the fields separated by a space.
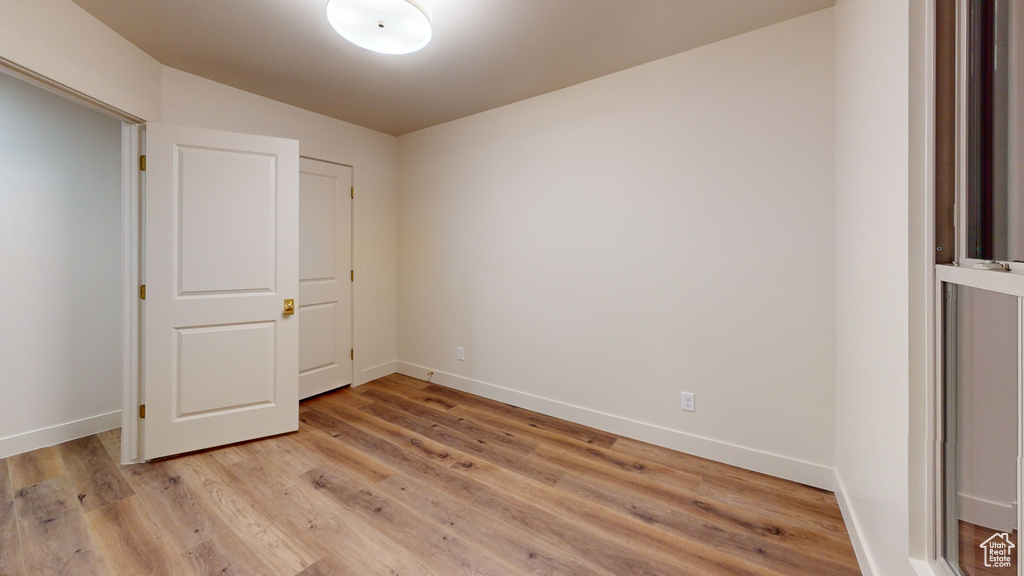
x=385 y=26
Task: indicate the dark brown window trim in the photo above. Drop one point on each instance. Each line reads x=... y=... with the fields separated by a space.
x=945 y=129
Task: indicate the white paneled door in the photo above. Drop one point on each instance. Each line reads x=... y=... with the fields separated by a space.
x=220 y=352
x=325 y=287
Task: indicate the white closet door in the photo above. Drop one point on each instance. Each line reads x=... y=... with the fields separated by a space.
x=221 y=244
x=325 y=287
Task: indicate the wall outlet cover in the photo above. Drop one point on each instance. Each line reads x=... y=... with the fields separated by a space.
x=689 y=403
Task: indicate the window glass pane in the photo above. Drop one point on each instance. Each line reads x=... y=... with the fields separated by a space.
x=995 y=131
x=980 y=459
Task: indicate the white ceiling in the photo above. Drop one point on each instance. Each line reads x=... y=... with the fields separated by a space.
x=484 y=53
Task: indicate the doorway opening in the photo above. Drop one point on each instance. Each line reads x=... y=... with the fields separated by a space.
x=67 y=222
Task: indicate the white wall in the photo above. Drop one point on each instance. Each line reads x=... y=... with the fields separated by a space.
x=599 y=249
x=872 y=281
x=60 y=233
x=59 y=40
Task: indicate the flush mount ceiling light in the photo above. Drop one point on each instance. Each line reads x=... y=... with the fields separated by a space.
x=385 y=26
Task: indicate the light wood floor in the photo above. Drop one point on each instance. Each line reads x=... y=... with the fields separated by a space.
x=972 y=556
x=399 y=477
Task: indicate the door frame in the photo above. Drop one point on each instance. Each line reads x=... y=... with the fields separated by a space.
x=132 y=267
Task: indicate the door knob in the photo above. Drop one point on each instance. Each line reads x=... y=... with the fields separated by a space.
x=289 y=307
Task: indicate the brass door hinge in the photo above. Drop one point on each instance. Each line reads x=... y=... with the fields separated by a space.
x=352 y=353
x=142 y=292
x=142 y=163
x=353 y=275
x=353 y=189
x=142 y=410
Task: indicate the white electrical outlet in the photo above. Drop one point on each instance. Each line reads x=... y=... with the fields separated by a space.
x=460 y=353
x=688 y=402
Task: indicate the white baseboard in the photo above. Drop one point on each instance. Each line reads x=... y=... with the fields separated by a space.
x=28 y=441
x=867 y=565
x=749 y=458
x=374 y=372
x=996 y=515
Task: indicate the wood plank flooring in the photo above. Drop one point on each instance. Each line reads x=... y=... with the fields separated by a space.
x=403 y=477
x=972 y=556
